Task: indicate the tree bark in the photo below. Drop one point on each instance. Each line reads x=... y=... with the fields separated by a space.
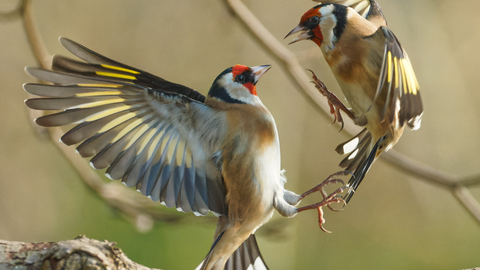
x=80 y=253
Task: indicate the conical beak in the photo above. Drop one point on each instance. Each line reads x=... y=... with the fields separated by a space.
x=304 y=35
x=258 y=71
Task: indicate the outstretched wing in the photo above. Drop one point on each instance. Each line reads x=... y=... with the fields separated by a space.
x=369 y=9
x=151 y=133
x=397 y=82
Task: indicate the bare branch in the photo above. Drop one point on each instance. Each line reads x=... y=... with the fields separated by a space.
x=463 y=195
x=35 y=40
x=470 y=181
x=419 y=170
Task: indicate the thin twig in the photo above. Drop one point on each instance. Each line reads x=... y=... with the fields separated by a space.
x=419 y=170
x=35 y=40
x=470 y=181
x=463 y=195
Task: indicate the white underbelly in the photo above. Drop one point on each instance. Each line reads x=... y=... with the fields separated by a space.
x=269 y=178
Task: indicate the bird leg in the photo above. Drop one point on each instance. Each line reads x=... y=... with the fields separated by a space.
x=327 y=199
x=335 y=104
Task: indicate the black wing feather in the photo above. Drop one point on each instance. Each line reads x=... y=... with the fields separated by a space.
x=398 y=84
x=100 y=63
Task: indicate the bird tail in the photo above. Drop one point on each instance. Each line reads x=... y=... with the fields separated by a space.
x=247 y=256
x=360 y=156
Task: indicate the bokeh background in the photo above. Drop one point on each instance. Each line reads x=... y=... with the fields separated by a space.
x=395 y=221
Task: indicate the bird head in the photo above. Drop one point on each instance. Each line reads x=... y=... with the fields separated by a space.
x=323 y=24
x=237 y=84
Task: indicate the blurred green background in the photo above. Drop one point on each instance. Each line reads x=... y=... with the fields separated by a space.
x=395 y=221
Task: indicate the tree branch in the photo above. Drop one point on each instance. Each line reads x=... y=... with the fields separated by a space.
x=80 y=253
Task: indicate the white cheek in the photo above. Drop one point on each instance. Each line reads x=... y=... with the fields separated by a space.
x=326 y=25
x=327 y=10
x=238 y=91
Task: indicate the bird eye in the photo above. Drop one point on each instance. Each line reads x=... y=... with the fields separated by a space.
x=313 y=21
x=240 y=78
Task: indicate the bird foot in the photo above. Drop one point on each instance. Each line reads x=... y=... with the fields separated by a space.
x=333 y=102
x=327 y=199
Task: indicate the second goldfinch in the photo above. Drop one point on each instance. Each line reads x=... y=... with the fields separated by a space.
x=374 y=73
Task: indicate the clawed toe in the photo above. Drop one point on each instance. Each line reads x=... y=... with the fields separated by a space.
x=330 y=180
x=328 y=199
x=333 y=102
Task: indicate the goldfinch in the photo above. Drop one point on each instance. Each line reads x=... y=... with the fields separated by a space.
x=218 y=153
x=374 y=73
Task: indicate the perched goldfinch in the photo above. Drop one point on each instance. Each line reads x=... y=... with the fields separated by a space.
x=218 y=153
x=374 y=73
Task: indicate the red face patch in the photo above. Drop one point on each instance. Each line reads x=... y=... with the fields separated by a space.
x=317 y=34
x=239 y=69
x=251 y=88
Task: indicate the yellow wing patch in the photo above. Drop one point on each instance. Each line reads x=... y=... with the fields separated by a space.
x=411 y=78
x=120 y=69
x=389 y=62
x=395 y=63
x=99 y=85
x=115 y=75
x=404 y=76
x=102 y=93
x=402 y=68
x=99 y=103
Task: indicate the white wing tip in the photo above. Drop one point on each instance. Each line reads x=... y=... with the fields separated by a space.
x=92 y=165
